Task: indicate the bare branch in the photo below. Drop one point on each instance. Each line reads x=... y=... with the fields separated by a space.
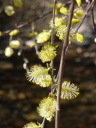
x=27 y=23
x=61 y=68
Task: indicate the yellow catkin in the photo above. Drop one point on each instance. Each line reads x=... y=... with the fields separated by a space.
x=47 y=108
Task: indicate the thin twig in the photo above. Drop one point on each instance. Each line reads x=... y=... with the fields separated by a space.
x=89 y=8
x=92 y=16
x=52 y=35
x=52 y=42
x=63 y=54
x=43 y=122
x=26 y=23
x=53 y=23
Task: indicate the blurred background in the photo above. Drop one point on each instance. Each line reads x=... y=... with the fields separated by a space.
x=19 y=98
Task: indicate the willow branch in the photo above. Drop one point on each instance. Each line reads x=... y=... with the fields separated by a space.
x=63 y=54
x=43 y=122
x=26 y=23
x=52 y=35
x=93 y=21
x=89 y=8
x=53 y=23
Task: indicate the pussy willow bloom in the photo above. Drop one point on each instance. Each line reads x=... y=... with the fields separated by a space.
x=61 y=33
x=79 y=13
x=64 y=10
x=14 y=32
x=79 y=2
x=32 y=125
x=47 y=53
x=59 y=5
x=75 y=21
x=14 y=44
x=18 y=3
x=58 y=22
x=43 y=36
x=45 y=81
x=39 y=75
x=69 y=91
x=9 y=10
x=79 y=37
x=47 y=108
x=8 y=51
